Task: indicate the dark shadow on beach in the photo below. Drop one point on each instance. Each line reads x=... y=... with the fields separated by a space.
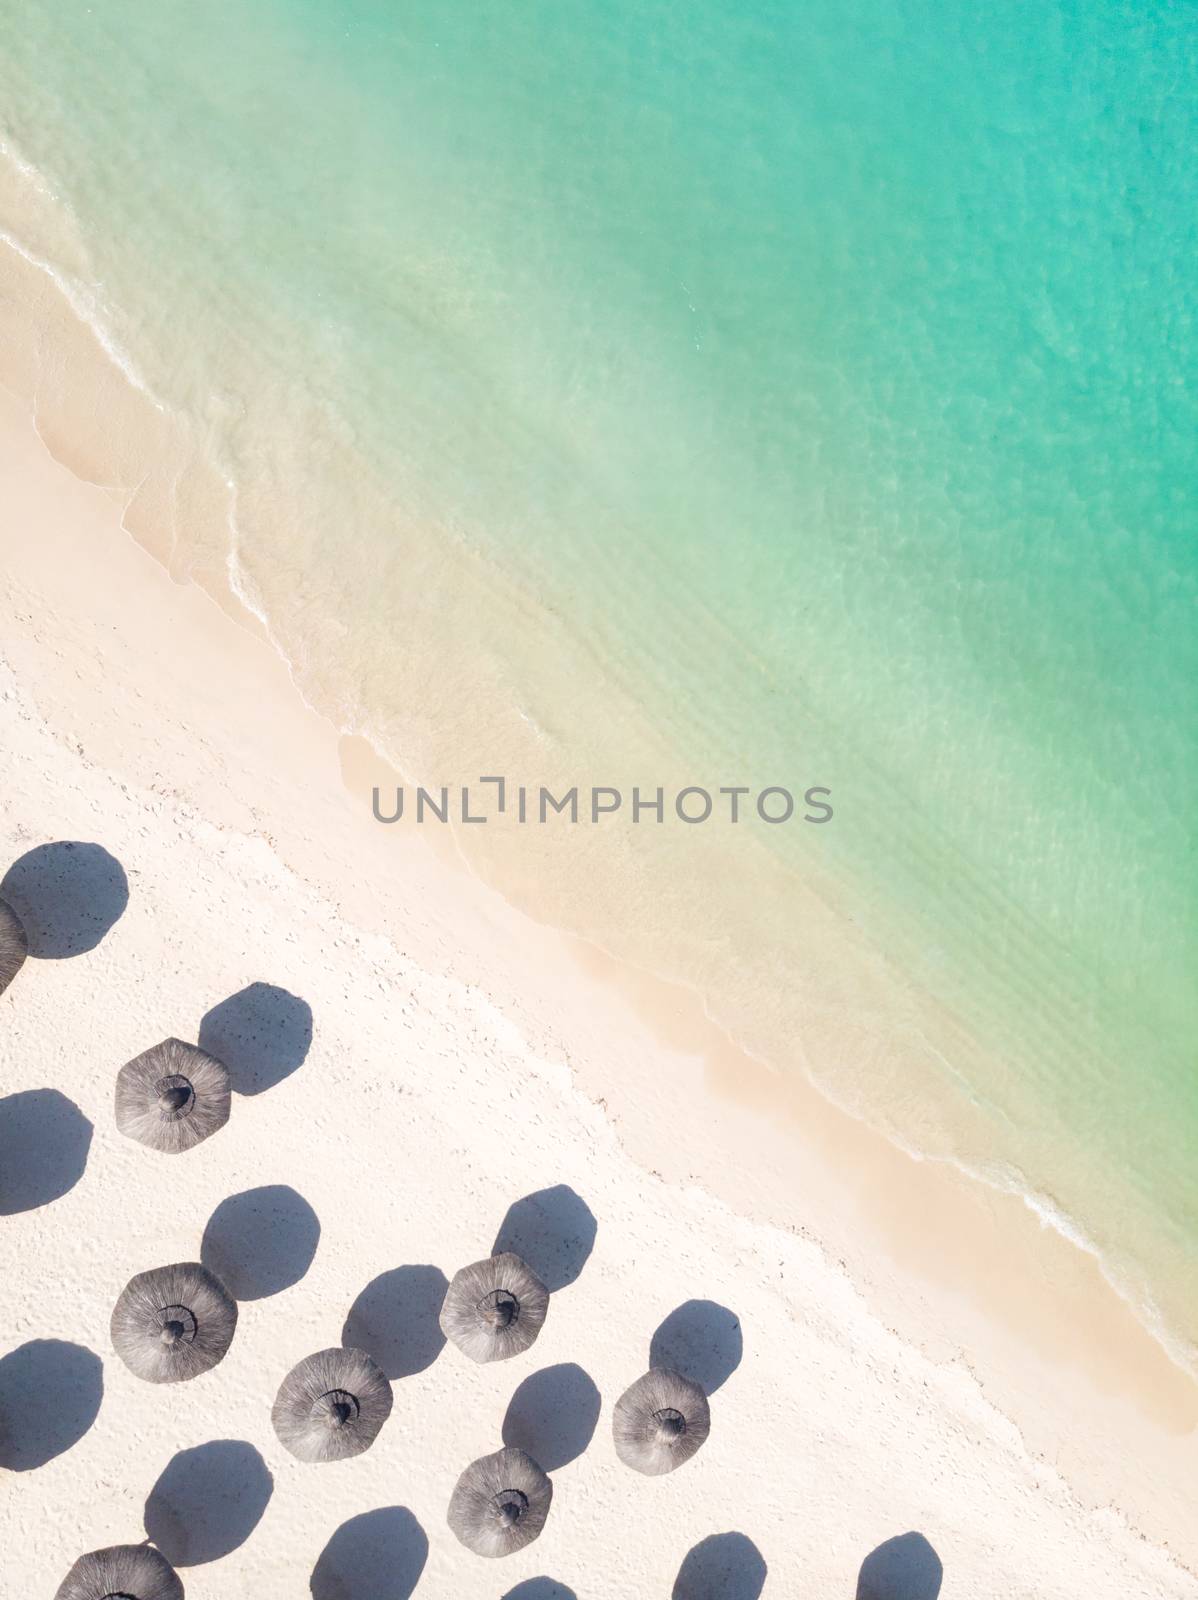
x=50 y=1394
x=724 y=1566
x=44 y=1141
x=540 y=1589
x=261 y=1033
x=261 y=1241
x=702 y=1341
x=208 y=1501
x=552 y=1415
x=394 y=1320
x=904 y=1568
x=379 y=1554
x=553 y=1230
x=67 y=895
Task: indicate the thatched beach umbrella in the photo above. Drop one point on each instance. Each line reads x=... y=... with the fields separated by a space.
x=331 y=1405
x=172 y=1097
x=173 y=1322
x=122 y=1572
x=14 y=946
x=500 y=1503
x=494 y=1308
x=660 y=1422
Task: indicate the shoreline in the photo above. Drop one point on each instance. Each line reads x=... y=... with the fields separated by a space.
x=800 y=1164
x=903 y=1029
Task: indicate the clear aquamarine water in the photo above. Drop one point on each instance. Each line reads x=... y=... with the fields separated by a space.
x=753 y=392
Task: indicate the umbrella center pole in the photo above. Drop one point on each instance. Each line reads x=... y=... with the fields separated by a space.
x=176 y=1325
x=175 y=1097
x=338 y=1408
x=671 y=1424
x=499 y=1309
x=510 y=1505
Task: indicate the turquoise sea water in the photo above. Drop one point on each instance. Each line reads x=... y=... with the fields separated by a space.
x=758 y=393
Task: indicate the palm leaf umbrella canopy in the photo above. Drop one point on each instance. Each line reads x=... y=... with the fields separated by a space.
x=494 y=1308
x=500 y=1503
x=14 y=946
x=660 y=1422
x=122 y=1572
x=332 y=1405
x=173 y=1323
x=172 y=1097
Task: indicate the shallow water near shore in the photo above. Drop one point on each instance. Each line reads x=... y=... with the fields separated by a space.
x=662 y=395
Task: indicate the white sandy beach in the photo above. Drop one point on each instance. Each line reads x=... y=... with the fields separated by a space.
x=462 y=1059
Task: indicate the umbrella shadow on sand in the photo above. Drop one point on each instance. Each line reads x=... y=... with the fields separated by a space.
x=395 y=1320
x=208 y=1501
x=67 y=895
x=552 y=1230
x=702 y=1341
x=261 y=1034
x=540 y=1589
x=552 y=1416
x=724 y=1566
x=261 y=1241
x=50 y=1394
x=904 y=1568
x=379 y=1553
x=44 y=1144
